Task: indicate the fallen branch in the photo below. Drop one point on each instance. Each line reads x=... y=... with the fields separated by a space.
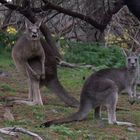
x=70 y=65
x=122 y=109
x=2 y=131
x=66 y=64
x=12 y=131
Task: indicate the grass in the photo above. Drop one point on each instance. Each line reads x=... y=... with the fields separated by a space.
x=6 y=87
x=30 y=117
x=5 y=59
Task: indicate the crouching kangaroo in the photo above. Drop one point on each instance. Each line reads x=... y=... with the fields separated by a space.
x=29 y=47
x=101 y=89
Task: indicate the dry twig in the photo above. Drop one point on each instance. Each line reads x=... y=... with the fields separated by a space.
x=12 y=131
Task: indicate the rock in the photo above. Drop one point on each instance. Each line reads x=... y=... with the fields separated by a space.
x=4 y=74
x=54 y=111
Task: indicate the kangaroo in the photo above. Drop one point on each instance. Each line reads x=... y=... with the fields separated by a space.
x=28 y=56
x=29 y=47
x=101 y=89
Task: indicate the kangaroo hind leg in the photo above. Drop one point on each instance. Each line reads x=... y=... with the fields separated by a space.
x=111 y=108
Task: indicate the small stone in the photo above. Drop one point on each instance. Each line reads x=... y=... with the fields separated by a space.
x=54 y=111
x=4 y=74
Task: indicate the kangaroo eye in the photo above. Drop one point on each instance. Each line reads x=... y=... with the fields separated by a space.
x=136 y=59
x=30 y=29
x=128 y=59
x=37 y=29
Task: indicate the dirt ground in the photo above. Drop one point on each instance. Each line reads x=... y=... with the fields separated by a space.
x=30 y=117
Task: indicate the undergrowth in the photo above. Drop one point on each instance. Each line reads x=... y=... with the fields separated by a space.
x=94 y=54
x=30 y=117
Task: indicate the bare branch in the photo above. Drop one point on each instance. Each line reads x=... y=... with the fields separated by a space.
x=9 y=24
x=59 y=9
x=12 y=131
x=48 y=5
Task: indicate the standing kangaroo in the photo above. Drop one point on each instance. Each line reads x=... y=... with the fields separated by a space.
x=102 y=88
x=29 y=47
x=28 y=55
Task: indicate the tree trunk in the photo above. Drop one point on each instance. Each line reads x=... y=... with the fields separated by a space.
x=102 y=12
x=94 y=9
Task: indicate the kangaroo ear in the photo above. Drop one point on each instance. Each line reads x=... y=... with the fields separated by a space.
x=27 y=24
x=38 y=23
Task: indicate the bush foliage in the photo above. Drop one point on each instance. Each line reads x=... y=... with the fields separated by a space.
x=94 y=54
x=7 y=39
x=84 y=53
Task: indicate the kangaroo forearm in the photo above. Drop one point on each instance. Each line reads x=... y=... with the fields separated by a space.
x=29 y=68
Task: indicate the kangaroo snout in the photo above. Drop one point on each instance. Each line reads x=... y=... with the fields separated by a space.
x=34 y=35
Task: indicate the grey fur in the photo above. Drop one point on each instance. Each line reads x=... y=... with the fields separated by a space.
x=29 y=47
x=101 y=89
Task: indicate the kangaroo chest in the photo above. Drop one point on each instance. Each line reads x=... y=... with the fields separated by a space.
x=131 y=78
x=35 y=46
x=34 y=49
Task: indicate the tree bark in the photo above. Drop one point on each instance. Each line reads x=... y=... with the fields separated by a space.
x=101 y=11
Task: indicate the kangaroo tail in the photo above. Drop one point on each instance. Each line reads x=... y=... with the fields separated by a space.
x=59 y=90
x=74 y=117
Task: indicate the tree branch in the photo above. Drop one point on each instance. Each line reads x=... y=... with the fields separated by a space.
x=49 y=5
x=11 y=6
x=109 y=13
x=30 y=16
x=59 y=9
x=12 y=131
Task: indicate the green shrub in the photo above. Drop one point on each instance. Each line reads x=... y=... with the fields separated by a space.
x=7 y=40
x=94 y=54
x=6 y=87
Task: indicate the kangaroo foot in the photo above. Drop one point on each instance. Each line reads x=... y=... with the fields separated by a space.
x=30 y=103
x=38 y=102
x=124 y=123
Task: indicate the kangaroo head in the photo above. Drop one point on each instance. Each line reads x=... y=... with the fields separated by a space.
x=132 y=61
x=33 y=31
